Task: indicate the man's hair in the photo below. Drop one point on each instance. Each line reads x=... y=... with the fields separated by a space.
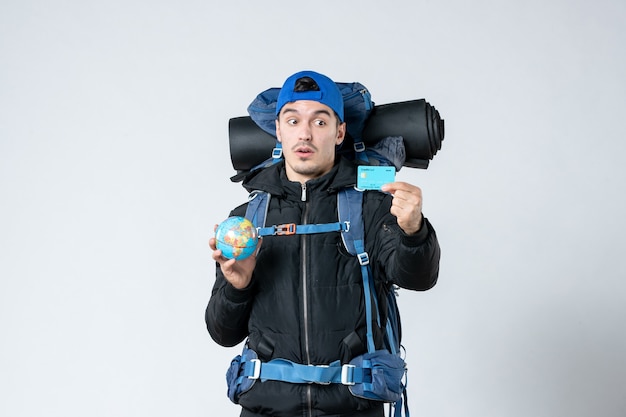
x=306 y=84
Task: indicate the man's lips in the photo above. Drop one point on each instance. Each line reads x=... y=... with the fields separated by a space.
x=303 y=150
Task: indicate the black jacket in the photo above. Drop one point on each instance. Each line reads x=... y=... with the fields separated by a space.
x=305 y=301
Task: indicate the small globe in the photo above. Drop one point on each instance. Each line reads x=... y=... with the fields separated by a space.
x=236 y=237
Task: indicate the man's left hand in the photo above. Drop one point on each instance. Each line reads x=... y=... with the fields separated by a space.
x=406 y=205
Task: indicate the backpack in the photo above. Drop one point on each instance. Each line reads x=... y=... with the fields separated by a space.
x=378 y=374
x=407 y=133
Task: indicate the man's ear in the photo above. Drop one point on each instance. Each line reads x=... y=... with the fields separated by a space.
x=277 y=130
x=341 y=133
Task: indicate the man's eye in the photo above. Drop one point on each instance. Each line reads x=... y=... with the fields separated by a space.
x=320 y=122
x=291 y=121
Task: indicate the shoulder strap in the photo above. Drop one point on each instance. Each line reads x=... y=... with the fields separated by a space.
x=350 y=209
x=258 y=202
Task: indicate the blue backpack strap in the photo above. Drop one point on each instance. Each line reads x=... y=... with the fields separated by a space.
x=350 y=202
x=288 y=371
x=256 y=212
x=350 y=210
x=301 y=229
x=258 y=203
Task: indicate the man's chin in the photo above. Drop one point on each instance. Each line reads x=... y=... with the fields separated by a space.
x=307 y=169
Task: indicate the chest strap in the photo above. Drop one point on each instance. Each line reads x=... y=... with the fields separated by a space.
x=302 y=229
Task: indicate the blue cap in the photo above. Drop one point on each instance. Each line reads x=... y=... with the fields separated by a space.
x=328 y=93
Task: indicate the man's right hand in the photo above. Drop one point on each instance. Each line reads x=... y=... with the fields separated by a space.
x=238 y=273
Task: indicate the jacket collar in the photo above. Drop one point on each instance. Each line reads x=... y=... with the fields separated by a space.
x=274 y=180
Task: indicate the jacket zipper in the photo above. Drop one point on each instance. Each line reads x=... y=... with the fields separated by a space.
x=305 y=295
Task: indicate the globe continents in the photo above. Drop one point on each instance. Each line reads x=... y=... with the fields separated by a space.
x=236 y=237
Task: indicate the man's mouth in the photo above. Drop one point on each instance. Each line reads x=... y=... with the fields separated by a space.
x=303 y=150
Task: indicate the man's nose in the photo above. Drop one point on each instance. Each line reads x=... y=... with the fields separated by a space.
x=305 y=132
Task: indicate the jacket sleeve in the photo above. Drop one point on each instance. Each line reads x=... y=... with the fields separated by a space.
x=410 y=262
x=228 y=311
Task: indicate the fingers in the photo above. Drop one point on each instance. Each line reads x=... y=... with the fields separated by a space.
x=218 y=256
x=237 y=272
x=227 y=265
x=405 y=195
x=402 y=188
x=212 y=241
x=406 y=205
x=217 y=253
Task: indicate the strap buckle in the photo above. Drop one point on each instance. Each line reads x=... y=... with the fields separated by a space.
x=347 y=374
x=256 y=372
x=285 y=229
x=326 y=382
x=277 y=153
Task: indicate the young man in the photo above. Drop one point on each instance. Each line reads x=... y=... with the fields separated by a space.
x=301 y=297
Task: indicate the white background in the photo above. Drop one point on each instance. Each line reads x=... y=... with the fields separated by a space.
x=115 y=167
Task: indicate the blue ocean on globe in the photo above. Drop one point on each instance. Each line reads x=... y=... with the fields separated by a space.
x=236 y=237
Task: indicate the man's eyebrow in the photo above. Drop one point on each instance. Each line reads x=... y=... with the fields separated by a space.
x=316 y=112
x=323 y=111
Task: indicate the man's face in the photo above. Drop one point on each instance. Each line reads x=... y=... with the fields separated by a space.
x=309 y=132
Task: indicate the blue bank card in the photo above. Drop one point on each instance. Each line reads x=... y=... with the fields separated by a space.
x=373 y=177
